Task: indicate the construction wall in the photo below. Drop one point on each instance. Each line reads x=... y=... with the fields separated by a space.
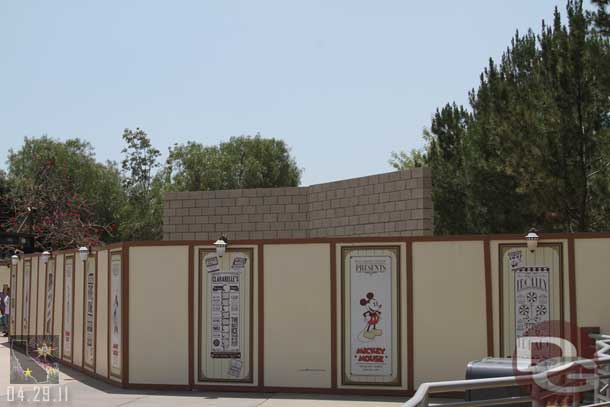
x=445 y=302
x=68 y=300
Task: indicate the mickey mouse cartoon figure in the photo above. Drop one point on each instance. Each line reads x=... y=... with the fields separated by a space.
x=372 y=316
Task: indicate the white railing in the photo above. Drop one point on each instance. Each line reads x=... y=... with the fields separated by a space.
x=601 y=383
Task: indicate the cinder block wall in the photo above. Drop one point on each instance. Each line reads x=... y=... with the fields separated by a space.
x=391 y=204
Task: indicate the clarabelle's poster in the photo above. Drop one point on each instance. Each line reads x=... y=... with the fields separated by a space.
x=225 y=306
x=532 y=301
x=226 y=324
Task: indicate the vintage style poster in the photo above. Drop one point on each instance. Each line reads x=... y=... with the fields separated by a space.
x=532 y=299
x=115 y=315
x=227 y=284
x=27 y=274
x=50 y=299
x=68 y=306
x=226 y=307
x=371 y=316
x=515 y=259
x=90 y=314
x=13 y=300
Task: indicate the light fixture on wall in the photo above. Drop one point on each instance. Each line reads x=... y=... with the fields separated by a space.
x=532 y=240
x=221 y=245
x=45 y=256
x=14 y=259
x=83 y=252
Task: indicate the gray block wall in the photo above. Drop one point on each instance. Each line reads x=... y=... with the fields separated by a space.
x=391 y=204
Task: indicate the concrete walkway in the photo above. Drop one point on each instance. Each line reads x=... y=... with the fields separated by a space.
x=85 y=391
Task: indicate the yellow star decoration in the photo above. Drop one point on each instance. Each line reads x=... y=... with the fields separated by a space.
x=44 y=350
x=27 y=372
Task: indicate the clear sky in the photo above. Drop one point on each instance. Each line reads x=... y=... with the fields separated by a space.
x=343 y=82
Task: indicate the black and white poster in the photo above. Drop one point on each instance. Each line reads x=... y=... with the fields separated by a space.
x=90 y=314
x=226 y=298
x=68 y=306
x=50 y=299
x=532 y=298
x=13 y=300
x=226 y=323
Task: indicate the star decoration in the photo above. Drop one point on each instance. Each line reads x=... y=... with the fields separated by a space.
x=44 y=350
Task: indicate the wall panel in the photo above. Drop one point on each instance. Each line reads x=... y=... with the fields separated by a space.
x=101 y=364
x=33 y=296
x=297 y=304
x=158 y=314
x=449 y=309
x=42 y=271
x=78 y=311
x=592 y=259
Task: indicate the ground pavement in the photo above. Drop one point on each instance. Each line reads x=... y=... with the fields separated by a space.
x=85 y=391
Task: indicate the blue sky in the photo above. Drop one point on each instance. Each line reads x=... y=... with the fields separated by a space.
x=343 y=82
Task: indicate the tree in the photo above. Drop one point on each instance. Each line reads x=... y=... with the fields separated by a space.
x=534 y=150
x=402 y=160
x=601 y=16
x=141 y=216
x=242 y=162
x=60 y=194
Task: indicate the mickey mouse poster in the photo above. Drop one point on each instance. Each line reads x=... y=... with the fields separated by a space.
x=372 y=278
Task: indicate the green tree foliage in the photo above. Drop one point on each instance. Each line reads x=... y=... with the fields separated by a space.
x=413 y=159
x=242 y=162
x=141 y=215
x=58 y=192
x=534 y=148
x=601 y=16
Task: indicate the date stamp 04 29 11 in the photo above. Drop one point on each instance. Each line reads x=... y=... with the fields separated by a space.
x=37 y=394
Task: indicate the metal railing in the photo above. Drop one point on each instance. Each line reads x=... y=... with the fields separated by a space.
x=601 y=383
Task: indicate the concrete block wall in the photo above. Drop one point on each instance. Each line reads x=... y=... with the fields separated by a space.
x=391 y=204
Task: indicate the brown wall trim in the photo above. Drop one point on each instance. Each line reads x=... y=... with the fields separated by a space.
x=303 y=390
x=37 y=295
x=572 y=291
x=371 y=239
x=410 y=318
x=190 y=313
x=261 y=314
x=125 y=314
x=333 y=315
x=488 y=297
